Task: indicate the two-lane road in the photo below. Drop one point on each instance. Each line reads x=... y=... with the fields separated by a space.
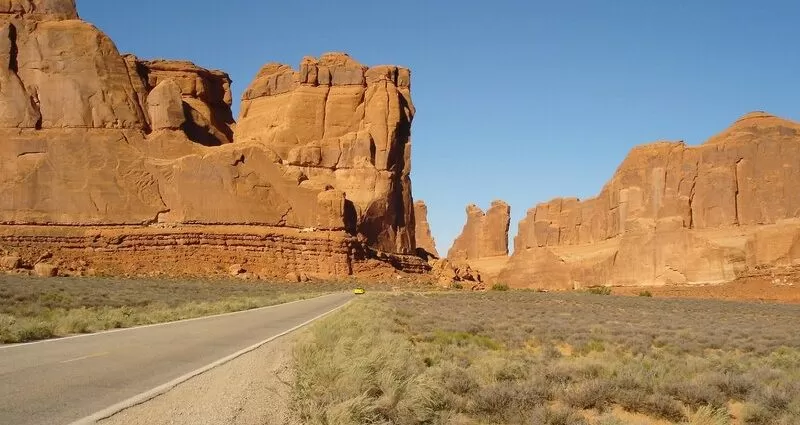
x=60 y=381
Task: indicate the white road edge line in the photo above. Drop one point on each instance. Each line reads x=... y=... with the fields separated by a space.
x=162 y=389
x=111 y=331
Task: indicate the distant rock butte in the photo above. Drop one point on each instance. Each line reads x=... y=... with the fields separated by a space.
x=483 y=243
x=423 y=229
x=104 y=155
x=484 y=235
x=674 y=214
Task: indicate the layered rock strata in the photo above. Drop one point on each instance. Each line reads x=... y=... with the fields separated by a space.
x=674 y=214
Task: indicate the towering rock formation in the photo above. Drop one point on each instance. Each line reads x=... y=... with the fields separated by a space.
x=338 y=123
x=422 y=230
x=483 y=243
x=103 y=154
x=674 y=214
x=484 y=235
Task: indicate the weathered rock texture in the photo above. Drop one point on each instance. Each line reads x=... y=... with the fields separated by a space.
x=483 y=243
x=205 y=97
x=336 y=123
x=484 y=234
x=674 y=214
x=422 y=231
x=93 y=139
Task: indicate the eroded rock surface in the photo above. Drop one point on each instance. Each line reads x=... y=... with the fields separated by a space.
x=674 y=214
x=337 y=123
x=422 y=231
x=483 y=243
x=484 y=234
x=90 y=137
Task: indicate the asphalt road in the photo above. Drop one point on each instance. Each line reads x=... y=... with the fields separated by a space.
x=60 y=381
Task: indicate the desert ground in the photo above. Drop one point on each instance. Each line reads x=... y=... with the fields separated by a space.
x=34 y=309
x=421 y=353
x=574 y=358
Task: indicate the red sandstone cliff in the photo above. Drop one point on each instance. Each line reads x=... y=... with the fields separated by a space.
x=90 y=138
x=674 y=214
x=422 y=231
x=483 y=243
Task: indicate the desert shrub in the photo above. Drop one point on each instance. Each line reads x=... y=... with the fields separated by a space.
x=733 y=385
x=500 y=287
x=33 y=309
x=707 y=415
x=556 y=416
x=457 y=381
x=516 y=357
x=696 y=395
x=456 y=285
x=655 y=405
x=598 y=290
x=32 y=331
x=352 y=371
x=755 y=414
x=646 y=294
x=592 y=394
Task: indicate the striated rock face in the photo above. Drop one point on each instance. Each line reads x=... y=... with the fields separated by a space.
x=336 y=123
x=92 y=139
x=484 y=235
x=674 y=214
x=422 y=231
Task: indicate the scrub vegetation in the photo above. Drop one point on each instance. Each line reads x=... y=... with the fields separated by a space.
x=33 y=308
x=546 y=359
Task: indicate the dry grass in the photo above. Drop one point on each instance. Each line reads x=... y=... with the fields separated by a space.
x=33 y=309
x=524 y=357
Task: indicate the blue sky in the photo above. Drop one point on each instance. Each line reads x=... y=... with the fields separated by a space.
x=516 y=100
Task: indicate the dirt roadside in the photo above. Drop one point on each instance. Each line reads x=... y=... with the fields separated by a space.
x=755 y=289
x=254 y=389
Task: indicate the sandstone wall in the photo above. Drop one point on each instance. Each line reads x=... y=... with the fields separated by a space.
x=205 y=96
x=484 y=234
x=483 y=243
x=422 y=231
x=673 y=214
x=336 y=123
x=92 y=138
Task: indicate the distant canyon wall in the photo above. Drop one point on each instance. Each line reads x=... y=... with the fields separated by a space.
x=674 y=214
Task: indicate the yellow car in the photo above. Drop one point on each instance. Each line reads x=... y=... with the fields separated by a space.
x=359 y=291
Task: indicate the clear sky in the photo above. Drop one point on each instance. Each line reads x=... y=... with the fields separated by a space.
x=520 y=100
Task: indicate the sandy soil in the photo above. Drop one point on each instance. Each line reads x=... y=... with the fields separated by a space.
x=251 y=390
x=750 y=289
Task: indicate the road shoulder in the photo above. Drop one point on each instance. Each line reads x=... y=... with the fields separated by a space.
x=252 y=389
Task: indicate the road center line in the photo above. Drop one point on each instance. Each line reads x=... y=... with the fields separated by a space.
x=90 y=356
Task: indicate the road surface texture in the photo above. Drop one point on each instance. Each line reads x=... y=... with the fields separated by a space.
x=254 y=389
x=61 y=381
